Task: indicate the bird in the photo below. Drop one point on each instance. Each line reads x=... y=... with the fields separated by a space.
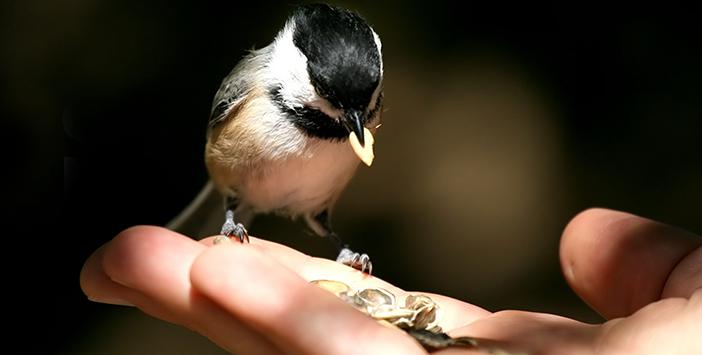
x=284 y=122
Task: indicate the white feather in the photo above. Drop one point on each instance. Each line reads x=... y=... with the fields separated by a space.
x=376 y=38
x=288 y=68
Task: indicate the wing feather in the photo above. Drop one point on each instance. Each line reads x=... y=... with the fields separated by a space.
x=236 y=86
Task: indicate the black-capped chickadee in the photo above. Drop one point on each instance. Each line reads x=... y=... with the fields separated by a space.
x=279 y=133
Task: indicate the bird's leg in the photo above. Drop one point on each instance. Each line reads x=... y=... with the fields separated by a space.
x=321 y=224
x=231 y=228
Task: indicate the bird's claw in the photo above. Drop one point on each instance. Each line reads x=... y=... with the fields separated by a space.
x=231 y=229
x=355 y=260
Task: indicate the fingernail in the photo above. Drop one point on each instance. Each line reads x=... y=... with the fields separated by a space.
x=113 y=301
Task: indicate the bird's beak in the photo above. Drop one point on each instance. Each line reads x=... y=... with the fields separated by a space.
x=354 y=121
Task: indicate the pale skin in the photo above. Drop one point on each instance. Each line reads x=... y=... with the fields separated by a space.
x=644 y=277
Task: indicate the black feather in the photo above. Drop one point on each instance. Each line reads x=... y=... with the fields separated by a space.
x=310 y=121
x=343 y=60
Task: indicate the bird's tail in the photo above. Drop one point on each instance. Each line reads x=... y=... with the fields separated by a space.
x=202 y=216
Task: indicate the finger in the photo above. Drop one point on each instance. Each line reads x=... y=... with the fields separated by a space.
x=97 y=286
x=311 y=268
x=150 y=267
x=669 y=326
x=517 y=332
x=686 y=277
x=284 y=254
x=308 y=267
x=659 y=328
x=618 y=262
x=453 y=313
x=294 y=314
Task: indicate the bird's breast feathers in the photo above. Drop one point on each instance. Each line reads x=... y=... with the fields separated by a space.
x=300 y=184
x=273 y=166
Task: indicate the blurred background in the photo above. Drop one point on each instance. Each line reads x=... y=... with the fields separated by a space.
x=502 y=122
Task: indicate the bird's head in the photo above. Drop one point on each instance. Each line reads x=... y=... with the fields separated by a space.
x=327 y=71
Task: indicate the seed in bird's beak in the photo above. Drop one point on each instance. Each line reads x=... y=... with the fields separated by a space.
x=364 y=152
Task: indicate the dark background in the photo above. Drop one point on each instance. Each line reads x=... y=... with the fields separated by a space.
x=503 y=121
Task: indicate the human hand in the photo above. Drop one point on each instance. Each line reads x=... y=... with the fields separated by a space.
x=256 y=298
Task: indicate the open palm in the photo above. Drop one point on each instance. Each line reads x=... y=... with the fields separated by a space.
x=643 y=276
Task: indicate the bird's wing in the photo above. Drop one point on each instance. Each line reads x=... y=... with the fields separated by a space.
x=231 y=93
x=237 y=85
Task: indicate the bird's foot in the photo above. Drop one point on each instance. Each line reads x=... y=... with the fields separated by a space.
x=355 y=260
x=231 y=229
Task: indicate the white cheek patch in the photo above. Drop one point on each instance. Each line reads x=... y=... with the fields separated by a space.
x=288 y=68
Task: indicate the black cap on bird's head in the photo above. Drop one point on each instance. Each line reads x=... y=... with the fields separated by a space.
x=343 y=59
